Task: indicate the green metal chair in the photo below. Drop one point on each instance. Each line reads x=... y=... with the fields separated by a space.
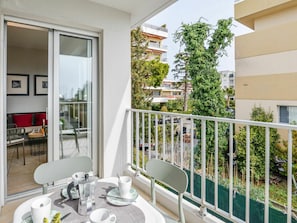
x=171 y=176
x=46 y=173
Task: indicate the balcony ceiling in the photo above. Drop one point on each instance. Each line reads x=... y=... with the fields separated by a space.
x=140 y=10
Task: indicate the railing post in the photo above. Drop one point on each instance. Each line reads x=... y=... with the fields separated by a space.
x=289 y=178
x=247 y=193
x=203 y=211
x=267 y=168
x=178 y=145
x=203 y=166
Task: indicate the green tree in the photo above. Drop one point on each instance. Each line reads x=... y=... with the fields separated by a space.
x=157 y=71
x=229 y=93
x=204 y=45
x=175 y=105
x=144 y=72
x=282 y=155
x=138 y=69
x=257 y=145
x=230 y=104
x=180 y=71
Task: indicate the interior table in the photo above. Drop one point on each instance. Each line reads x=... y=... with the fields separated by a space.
x=138 y=211
x=38 y=142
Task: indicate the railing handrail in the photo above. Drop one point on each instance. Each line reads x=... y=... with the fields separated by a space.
x=209 y=118
x=163 y=142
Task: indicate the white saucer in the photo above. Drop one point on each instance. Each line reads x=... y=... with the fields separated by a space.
x=113 y=197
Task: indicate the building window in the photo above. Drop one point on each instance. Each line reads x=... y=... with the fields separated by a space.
x=156 y=93
x=288 y=114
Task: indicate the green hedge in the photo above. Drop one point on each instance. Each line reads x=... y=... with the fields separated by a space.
x=256 y=208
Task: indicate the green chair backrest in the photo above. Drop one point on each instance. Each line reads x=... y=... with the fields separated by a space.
x=47 y=173
x=171 y=176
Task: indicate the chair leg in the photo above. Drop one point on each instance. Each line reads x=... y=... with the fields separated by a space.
x=17 y=148
x=153 y=192
x=180 y=209
x=24 y=155
x=76 y=140
x=61 y=143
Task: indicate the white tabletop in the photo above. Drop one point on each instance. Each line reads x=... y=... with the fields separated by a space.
x=151 y=215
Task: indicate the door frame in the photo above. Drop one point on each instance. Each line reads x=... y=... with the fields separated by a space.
x=52 y=116
x=56 y=106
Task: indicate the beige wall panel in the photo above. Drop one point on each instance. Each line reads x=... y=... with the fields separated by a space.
x=283 y=17
x=248 y=7
x=273 y=40
x=278 y=63
x=273 y=87
x=244 y=107
x=248 y=11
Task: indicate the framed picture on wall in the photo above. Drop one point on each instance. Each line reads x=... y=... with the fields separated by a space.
x=41 y=85
x=18 y=84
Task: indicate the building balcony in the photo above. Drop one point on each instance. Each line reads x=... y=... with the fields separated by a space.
x=157 y=47
x=159 y=31
x=218 y=191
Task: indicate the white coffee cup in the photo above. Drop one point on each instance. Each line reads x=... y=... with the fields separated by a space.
x=40 y=209
x=125 y=183
x=102 y=215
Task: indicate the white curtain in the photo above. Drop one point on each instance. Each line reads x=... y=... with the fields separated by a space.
x=292 y=114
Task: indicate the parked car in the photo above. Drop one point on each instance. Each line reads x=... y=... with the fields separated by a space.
x=168 y=120
x=146 y=146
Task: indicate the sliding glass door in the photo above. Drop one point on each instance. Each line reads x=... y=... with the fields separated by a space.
x=76 y=68
x=26 y=104
x=51 y=100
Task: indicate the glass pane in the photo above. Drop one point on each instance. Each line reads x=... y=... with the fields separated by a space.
x=75 y=74
x=26 y=105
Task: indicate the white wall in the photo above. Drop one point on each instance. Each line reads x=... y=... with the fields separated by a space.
x=18 y=62
x=114 y=63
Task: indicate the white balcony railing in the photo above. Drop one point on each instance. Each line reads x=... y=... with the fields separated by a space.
x=212 y=186
x=74 y=113
x=157 y=46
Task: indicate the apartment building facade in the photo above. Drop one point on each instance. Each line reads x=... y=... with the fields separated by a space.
x=227 y=79
x=265 y=60
x=167 y=91
x=155 y=35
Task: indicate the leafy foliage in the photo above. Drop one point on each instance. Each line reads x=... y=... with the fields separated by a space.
x=181 y=72
x=202 y=46
x=144 y=72
x=257 y=145
x=283 y=154
x=175 y=105
x=229 y=92
x=138 y=69
x=157 y=72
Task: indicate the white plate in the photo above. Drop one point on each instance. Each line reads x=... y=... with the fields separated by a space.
x=113 y=197
x=29 y=218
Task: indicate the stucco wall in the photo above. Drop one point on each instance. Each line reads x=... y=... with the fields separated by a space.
x=18 y=62
x=113 y=27
x=266 y=68
x=268 y=105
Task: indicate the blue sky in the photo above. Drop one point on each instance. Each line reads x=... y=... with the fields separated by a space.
x=190 y=11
